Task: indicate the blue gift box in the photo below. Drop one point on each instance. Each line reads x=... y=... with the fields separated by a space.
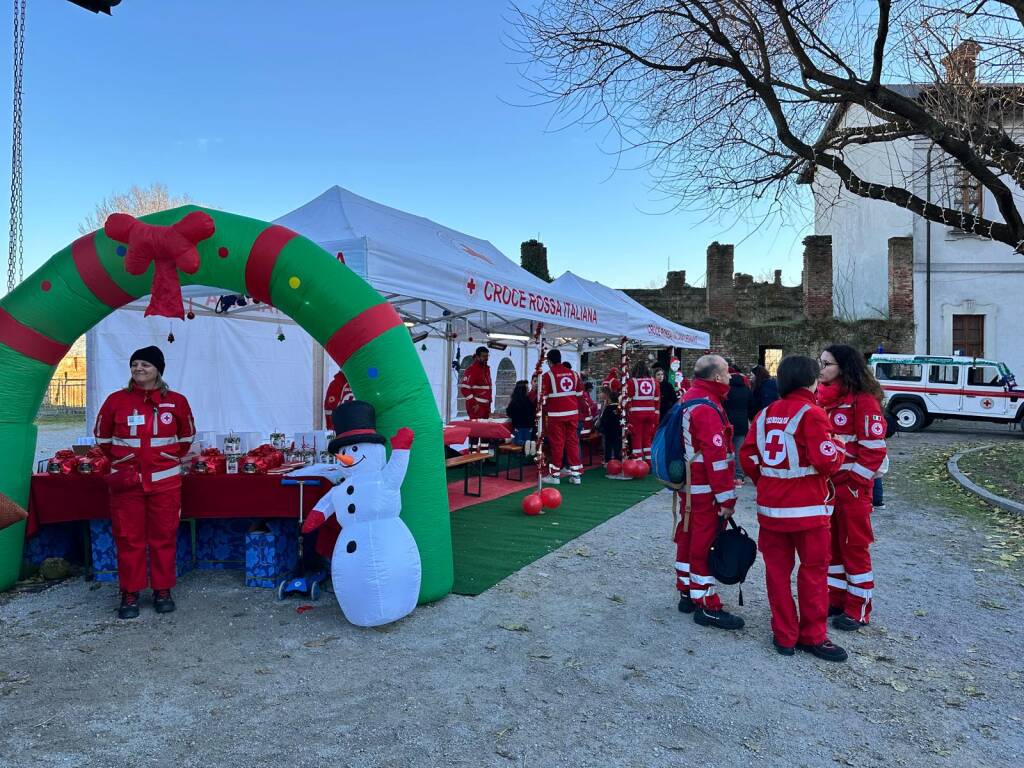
x=271 y=552
x=104 y=550
x=221 y=543
x=56 y=540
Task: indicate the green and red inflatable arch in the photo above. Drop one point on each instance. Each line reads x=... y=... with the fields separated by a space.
x=80 y=285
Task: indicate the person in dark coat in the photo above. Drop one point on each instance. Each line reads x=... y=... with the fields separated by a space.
x=522 y=413
x=737 y=406
x=609 y=424
x=669 y=396
x=766 y=391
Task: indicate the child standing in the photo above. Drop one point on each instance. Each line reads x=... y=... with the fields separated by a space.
x=609 y=425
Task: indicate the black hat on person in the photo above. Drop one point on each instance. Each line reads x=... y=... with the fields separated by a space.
x=151 y=355
x=354 y=422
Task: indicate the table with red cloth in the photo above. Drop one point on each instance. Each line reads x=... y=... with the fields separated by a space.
x=66 y=498
x=455 y=435
x=482 y=429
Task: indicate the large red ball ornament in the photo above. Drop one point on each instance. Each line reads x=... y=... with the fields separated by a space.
x=532 y=504
x=550 y=498
x=630 y=468
x=644 y=469
x=614 y=467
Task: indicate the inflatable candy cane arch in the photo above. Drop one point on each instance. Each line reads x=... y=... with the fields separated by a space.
x=96 y=274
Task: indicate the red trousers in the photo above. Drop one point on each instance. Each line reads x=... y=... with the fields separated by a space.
x=642 y=427
x=693 y=577
x=475 y=410
x=563 y=439
x=850 y=578
x=779 y=549
x=140 y=520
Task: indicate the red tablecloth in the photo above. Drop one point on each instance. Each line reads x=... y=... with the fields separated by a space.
x=483 y=430
x=455 y=435
x=65 y=498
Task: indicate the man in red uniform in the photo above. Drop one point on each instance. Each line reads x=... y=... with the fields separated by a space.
x=476 y=386
x=144 y=430
x=852 y=399
x=560 y=393
x=338 y=392
x=643 y=406
x=707 y=440
x=790 y=455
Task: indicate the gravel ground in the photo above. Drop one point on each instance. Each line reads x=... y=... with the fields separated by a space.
x=580 y=659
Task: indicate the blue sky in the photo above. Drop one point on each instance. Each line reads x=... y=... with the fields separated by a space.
x=416 y=105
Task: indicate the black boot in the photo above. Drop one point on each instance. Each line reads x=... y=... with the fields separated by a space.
x=826 y=650
x=721 y=619
x=129 y=605
x=785 y=650
x=835 y=610
x=847 y=623
x=685 y=604
x=162 y=601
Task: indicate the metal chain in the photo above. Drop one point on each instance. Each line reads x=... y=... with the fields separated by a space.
x=15 y=256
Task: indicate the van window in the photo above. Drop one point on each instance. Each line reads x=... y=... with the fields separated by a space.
x=944 y=374
x=984 y=376
x=897 y=372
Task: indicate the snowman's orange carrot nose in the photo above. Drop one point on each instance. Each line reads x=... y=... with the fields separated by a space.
x=345 y=459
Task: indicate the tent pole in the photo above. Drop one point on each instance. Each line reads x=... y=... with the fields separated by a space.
x=318 y=385
x=448 y=372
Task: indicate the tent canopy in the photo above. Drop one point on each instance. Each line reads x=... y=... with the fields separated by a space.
x=433 y=274
x=642 y=324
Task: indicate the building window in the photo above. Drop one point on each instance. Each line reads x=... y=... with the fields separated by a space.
x=969 y=335
x=968 y=194
x=770 y=357
x=504 y=384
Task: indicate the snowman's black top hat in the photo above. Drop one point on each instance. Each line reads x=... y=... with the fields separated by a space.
x=354 y=422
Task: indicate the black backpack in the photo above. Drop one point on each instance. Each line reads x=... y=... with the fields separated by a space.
x=732 y=554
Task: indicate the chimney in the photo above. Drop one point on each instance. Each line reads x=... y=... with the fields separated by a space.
x=817 y=277
x=901 y=278
x=675 y=280
x=777 y=282
x=533 y=257
x=721 y=294
x=962 y=64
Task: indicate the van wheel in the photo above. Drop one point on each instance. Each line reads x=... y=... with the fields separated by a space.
x=909 y=417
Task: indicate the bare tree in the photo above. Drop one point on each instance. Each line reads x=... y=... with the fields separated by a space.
x=733 y=101
x=138 y=201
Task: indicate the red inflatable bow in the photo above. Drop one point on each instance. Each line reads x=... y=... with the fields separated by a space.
x=168 y=248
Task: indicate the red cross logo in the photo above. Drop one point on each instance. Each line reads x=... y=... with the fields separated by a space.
x=987 y=403
x=471 y=286
x=646 y=387
x=774 y=448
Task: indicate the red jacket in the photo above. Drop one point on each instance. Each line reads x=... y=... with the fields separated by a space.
x=476 y=389
x=707 y=441
x=643 y=396
x=588 y=412
x=148 y=432
x=561 y=390
x=338 y=392
x=857 y=424
x=790 y=455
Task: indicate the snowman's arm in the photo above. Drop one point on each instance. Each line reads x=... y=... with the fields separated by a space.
x=394 y=470
x=323 y=509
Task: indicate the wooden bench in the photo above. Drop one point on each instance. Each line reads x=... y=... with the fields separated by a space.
x=509 y=450
x=465 y=461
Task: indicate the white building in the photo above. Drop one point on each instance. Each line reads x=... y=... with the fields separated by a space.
x=968 y=291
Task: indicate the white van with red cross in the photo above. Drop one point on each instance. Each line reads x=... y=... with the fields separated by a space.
x=922 y=388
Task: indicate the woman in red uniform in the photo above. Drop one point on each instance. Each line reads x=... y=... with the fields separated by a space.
x=643 y=406
x=852 y=399
x=145 y=429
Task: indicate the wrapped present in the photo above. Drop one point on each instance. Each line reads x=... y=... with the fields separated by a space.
x=210 y=462
x=233 y=444
x=220 y=544
x=104 y=550
x=93 y=463
x=185 y=560
x=278 y=440
x=63 y=463
x=261 y=460
x=271 y=552
x=54 y=540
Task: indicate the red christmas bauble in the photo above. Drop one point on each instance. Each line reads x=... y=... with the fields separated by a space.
x=614 y=467
x=644 y=469
x=630 y=468
x=550 y=498
x=532 y=504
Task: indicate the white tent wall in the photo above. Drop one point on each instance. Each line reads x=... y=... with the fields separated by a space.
x=233 y=370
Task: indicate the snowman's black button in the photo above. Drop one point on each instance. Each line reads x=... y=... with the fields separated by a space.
x=350 y=547
x=350 y=490
x=351 y=509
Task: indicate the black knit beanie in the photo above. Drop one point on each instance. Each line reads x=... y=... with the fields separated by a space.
x=151 y=355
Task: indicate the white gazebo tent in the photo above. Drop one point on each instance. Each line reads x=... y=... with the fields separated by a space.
x=447 y=284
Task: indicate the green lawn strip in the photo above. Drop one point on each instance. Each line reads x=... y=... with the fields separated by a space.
x=495 y=539
x=999 y=469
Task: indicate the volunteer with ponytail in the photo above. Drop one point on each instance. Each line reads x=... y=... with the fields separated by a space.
x=145 y=429
x=852 y=399
x=643 y=403
x=790 y=455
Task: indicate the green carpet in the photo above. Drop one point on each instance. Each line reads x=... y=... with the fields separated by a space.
x=495 y=539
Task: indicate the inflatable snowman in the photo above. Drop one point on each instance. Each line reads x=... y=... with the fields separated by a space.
x=375 y=567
